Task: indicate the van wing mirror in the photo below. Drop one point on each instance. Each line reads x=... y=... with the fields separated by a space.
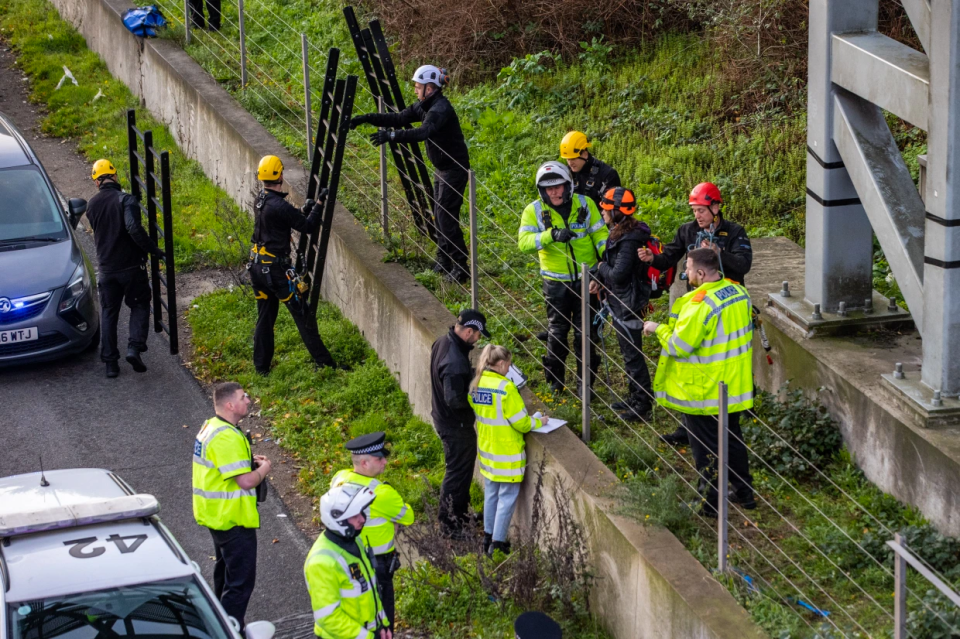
x=260 y=630
x=77 y=207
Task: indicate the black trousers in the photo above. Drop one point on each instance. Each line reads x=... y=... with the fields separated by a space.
x=459 y=456
x=704 y=443
x=563 y=312
x=638 y=375
x=235 y=570
x=130 y=286
x=270 y=286
x=213 y=12
x=448 y=187
x=384 y=571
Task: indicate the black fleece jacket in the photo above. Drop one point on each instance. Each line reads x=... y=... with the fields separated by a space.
x=450 y=375
x=624 y=275
x=736 y=253
x=121 y=241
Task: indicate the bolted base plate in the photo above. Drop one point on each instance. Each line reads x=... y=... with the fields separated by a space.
x=915 y=399
x=799 y=311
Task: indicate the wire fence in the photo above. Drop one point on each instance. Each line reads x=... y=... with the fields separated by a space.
x=510 y=309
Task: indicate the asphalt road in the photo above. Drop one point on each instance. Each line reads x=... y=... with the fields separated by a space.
x=140 y=425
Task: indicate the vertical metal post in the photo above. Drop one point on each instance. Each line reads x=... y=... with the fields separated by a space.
x=585 y=349
x=243 y=48
x=307 y=110
x=899 y=592
x=167 y=213
x=474 y=268
x=723 y=455
x=187 y=19
x=839 y=246
x=384 y=202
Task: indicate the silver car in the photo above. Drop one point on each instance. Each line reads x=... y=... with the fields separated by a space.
x=48 y=295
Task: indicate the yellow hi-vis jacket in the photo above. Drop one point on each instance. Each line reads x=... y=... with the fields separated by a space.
x=386 y=511
x=709 y=339
x=558 y=260
x=220 y=453
x=502 y=420
x=343 y=591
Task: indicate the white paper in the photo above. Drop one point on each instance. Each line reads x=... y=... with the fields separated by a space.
x=515 y=376
x=551 y=425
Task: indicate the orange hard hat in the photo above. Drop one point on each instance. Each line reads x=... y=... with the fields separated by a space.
x=705 y=194
x=619 y=199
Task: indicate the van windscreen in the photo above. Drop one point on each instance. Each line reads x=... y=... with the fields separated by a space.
x=27 y=206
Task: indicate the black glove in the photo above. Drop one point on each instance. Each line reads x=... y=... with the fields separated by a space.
x=562 y=235
x=307 y=207
x=322 y=195
x=358 y=120
x=380 y=137
x=158 y=252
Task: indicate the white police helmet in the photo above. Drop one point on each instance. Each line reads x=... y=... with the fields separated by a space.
x=342 y=503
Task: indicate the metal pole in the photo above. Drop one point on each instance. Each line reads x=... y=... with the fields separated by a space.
x=899 y=592
x=384 y=203
x=243 y=48
x=307 y=110
x=474 y=268
x=723 y=454
x=585 y=349
x=187 y=19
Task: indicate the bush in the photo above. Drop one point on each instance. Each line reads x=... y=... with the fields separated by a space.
x=802 y=435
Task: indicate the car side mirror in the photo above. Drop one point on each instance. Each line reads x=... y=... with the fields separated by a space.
x=77 y=207
x=260 y=630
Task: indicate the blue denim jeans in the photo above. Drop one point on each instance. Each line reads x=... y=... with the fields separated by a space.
x=499 y=502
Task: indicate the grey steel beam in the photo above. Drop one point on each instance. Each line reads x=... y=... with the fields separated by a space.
x=941 y=274
x=919 y=13
x=890 y=199
x=839 y=240
x=885 y=72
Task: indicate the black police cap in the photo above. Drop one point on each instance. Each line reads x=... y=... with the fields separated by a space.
x=474 y=319
x=536 y=625
x=369 y=444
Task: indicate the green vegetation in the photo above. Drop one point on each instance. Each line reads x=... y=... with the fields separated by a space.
x=94 y=114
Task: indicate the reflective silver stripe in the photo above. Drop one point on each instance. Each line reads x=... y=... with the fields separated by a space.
x=243 y=463
x=503 y=458
x=538 y=243
x=709 y=302
x=385 y=548
x=197 y=459
x=676 y=341
x=376 y=521
x=492 y=421
x=217 y=494
x=719 y=357
x=513 y=419
x=326 y=611
x=596 y=227
x=674 y=316
x=538 y=210
x=352 y=593
x=363 y=634
x=707 y=403
x=529 y=229
x=726 y=303
x=723 y=339
x=601 y=244
x=340 y=560
x=502 y=472
x=557 y=276
x=400 y=515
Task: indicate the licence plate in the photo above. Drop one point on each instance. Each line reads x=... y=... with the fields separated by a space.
x=19 y=335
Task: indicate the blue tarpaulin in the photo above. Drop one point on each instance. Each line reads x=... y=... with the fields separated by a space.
x=143 y=21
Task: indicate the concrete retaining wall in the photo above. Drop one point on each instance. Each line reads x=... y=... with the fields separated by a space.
x=648 y=584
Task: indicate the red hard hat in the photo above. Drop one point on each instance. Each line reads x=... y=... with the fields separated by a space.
x=705 y=194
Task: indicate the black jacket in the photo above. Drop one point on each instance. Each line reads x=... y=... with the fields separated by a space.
x=121 y=241
x=594 y=179
x=624 y=275
x=440 y=131
x=450 y=375
x=736 y=254
x=275 y=218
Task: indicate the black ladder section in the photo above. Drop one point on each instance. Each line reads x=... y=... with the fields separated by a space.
x=378 y=66
x=333 y=125
x=144 y=180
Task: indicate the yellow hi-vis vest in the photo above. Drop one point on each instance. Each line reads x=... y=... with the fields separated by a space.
x=343 y=591
x=502 y=420
x=386 y=511
x=561 y=261
x=709 y=339
x=220 y=453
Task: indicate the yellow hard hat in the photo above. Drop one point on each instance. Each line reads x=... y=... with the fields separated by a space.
x=269 y=169
x=101 y=168
x=573 y=144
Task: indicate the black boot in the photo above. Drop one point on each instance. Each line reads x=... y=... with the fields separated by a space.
x=113 y=369
x=487 y=541
x=676 y=438
x=542 y=336
x=502 y=546
x=637 y=411
x=133 y=357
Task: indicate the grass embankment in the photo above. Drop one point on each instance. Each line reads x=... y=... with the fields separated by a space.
x=93 y=113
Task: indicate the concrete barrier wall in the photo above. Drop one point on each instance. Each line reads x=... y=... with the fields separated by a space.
x=648 y=585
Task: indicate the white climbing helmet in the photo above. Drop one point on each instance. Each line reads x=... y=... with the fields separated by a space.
x=429 y=74
x=342 y=503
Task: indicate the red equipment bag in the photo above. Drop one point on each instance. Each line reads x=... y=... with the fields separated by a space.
x=660 y=281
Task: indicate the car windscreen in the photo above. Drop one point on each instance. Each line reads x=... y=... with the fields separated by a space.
x=27 y=206
x=171 y=608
